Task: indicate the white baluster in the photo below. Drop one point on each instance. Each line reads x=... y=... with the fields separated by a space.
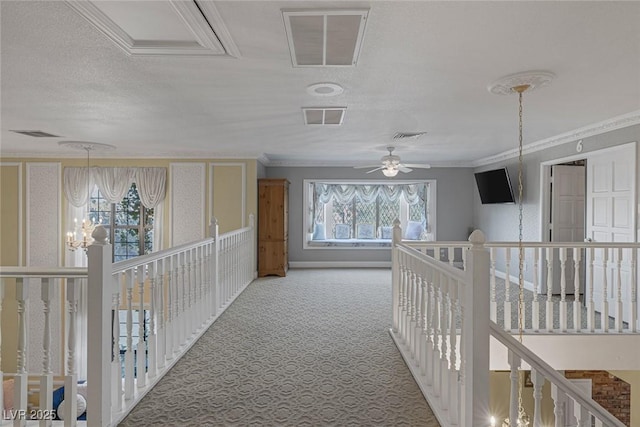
x=437 y=295
x=591 y=315
x=444 y=364
x=141 y=356
x=451 y=255
x=152 y=337
x=464 y=258
x=423 y=321
x=563 y=289
x=577 y=308
x=507 y=291
x=1 y=373
x=535 y=304
x=46 y=379
x=619 y=312
x=581 y=414
x=116 y=366
x=184 y=285
x=170 y=318
x=604 y=318
x=161 y=324
x=128 y=355
x=453 y=336
x=417 y=330
x=429 y=356
x=493 y=315
x=21 y=377
x=71 y=377
x=559 y=403
x=514 y=363
x=549 y=324
x=538 y=382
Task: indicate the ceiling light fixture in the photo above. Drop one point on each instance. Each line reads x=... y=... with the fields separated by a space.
x=520 y=83
x=80 y=236
x=325 y=89
x=390 y=171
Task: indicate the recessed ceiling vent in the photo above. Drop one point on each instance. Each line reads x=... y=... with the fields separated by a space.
x=408 y=135
x=325 y=38
x=36 y=133
x=324 y=116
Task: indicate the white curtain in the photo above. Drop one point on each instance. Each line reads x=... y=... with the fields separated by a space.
x=75 y=186
x=113 y=183
x=344 y=193
x=151 y=184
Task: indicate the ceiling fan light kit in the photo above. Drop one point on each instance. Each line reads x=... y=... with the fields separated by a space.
x=391 y=165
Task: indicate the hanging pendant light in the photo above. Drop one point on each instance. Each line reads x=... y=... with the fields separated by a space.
x=519 y=84
x=80 y=235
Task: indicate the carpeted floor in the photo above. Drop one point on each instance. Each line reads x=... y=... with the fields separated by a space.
x=310 y=349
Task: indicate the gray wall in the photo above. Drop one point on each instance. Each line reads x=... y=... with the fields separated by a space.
x=261 y=170
x=455 y=188
x=500 y=222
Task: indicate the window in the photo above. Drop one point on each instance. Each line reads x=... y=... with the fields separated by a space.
x=129 y=223
x=361 y=214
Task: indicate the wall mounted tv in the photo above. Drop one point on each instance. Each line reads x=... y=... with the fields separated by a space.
x=494 y=186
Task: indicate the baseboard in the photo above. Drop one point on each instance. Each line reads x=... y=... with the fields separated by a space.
x=527 y=285
x=339 y=264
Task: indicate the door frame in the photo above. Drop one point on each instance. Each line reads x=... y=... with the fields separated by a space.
x=545 y=177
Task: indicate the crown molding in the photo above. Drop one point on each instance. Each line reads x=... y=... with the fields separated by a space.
x=211 y=36
x=349 y=164
x=618 y=122
x=128 y=155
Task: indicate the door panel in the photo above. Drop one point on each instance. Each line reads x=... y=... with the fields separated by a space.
x=610 y=218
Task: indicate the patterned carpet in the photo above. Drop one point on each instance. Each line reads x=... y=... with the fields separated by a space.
x=310 y=349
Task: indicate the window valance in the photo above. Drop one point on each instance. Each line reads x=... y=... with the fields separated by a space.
x=344 y=193
x=114 y=183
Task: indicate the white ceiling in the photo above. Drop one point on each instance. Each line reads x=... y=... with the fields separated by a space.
x=424 y=66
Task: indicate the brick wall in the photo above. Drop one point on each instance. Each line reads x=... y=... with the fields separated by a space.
x=609 y=391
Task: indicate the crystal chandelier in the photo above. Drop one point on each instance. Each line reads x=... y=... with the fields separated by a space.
x=80 y=236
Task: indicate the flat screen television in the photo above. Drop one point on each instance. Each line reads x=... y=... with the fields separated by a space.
x=494 y=186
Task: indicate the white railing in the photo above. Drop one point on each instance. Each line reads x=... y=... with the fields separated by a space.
x=441 y=326
x=570 y=406
x=605 y=275
x=168 y=300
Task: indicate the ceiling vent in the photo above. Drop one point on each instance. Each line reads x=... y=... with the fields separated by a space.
x=324 y=116
x=325 y=38
x=36 y=133
x=408 y=135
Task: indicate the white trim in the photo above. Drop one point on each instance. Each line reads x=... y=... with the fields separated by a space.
x=123 y=154
x=293 y=163
x=619 y=122
x=339 y=264
x=545 y=168
x=207 y=42
x=20 y=219
x=243 y=167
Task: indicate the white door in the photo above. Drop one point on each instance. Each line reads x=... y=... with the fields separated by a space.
x=567 y=217
x=610 y=217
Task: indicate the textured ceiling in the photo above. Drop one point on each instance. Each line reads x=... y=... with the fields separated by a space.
x=424 y=66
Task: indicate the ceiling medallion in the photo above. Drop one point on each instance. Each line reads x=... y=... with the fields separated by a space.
x=86 y=145
x=529 y=80
x=324 y=89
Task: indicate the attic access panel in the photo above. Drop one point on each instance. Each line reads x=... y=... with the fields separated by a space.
x=330 y=38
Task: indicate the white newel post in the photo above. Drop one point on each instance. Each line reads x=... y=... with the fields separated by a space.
x=476 y=335
x=99 y=330
x=395 y=273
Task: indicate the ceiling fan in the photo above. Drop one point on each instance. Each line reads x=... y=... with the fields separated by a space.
x=391 y=165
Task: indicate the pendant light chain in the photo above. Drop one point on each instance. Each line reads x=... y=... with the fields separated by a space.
x=520 y=90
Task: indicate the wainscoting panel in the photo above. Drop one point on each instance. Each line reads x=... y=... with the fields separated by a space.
x=43 y=248
x=187 y=197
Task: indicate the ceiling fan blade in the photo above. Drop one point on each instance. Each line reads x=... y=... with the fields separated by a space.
x=404 y=168
x=376 y=169
x=365 y=166
x=417 y=165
